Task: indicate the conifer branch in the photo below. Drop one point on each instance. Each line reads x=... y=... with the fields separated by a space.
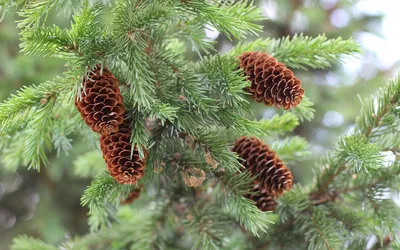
x=28 y=243
x=234 y=20
x=225 y=81
x=13 y=111
x=321 y=234
x=102 y=192
x=35 y=13
x=358 y=154
x=320 y=52
x=295 y=201
x=279 y=124
x=291 y=149
x=303 y=52
x=177 y=110
x=218 y=149
x=208 y=228
x=365 y=123
x=38 y=137
x=89 y=164
x=147 y=238
x=234 y=187
x=353 y=153
x=304 y=111
x=45 y=41
x=375 y=108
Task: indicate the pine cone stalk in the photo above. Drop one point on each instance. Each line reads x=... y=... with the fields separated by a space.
x=271 y=82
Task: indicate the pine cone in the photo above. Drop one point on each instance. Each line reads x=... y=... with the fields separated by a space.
x=101 y=104
x=116 y=148
x=260 y=160
x=271 y=82
x=264 y=200
x=132 y=195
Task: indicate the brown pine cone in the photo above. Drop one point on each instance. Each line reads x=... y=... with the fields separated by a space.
x=132 y=195
x=116 y=148
x=101 y=105
x=260 y=160
x=271 y=82
x=264 y=200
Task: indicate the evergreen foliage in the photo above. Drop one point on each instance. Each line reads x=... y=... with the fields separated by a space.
x=187 y=115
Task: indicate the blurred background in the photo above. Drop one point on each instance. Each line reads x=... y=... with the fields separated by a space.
x=47 y=205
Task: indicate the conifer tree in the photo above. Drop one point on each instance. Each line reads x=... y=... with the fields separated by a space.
x=179 y=135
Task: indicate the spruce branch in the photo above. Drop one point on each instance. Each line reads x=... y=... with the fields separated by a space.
x=12 y=151
x=372 y=112
x=219 y=150
x=291 y=149
x=163 y=112
x=236 y=19
x=354 y=222
x=279 y=124
x=376 y=107
x=208 y=226
x=304 y=111
x=233 y=189
x=76 y=42
x=225 y=81
x=46 y=41
x=169 y=99
x=84 y=23
x=295 y=201
x=28 y=243
x=145 y=235
x=132 y=44
x=260 y=44
x=320 y=52
x=303 y=52
x=192 y=90
x=60 y=132
x=38 y=137
x=89 y=164
x=15 y=110
x=70 y=7
x=102 y=192
x=147 y=238
x=323 y=231
x=6 y=5
x=327 y=176
x=193 y=30
x=242 y=126
x=35 y=13
x=359 y=154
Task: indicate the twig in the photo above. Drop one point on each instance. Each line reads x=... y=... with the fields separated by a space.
x=321 y=234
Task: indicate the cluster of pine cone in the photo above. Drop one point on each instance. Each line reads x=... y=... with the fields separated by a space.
x=274 y=85
x=273 y=177
x=101 y=107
